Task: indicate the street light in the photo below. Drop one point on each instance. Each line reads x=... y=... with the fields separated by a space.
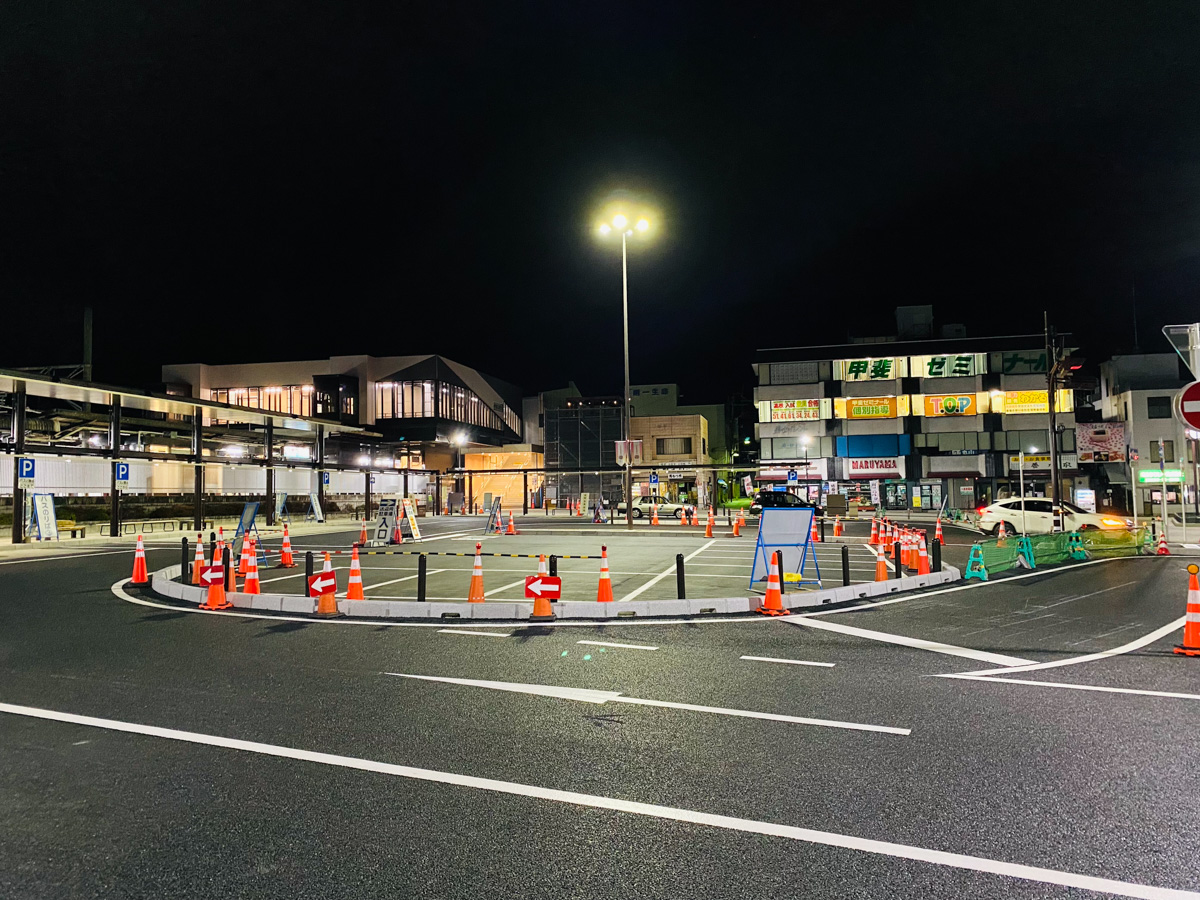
x=615 y=219
x=1021 y=464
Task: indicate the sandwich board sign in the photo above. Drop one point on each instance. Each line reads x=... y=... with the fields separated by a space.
x=314 y=507
x=44 y=516
x=245 y=526
x=786 y=529
x=385 y=525
x=410 y=517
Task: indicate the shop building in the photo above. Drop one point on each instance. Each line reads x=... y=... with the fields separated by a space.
x=1136 y=403
x=912 y=421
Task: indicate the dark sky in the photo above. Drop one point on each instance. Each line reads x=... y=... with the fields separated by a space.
x=235 y=181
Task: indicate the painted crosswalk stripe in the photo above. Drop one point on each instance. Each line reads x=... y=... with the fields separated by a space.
x=622 y=646
x=793 y=662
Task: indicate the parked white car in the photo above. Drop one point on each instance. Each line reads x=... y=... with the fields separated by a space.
x=643 y=507
x=1034 y=516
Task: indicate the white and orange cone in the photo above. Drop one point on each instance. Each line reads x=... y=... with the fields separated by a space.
x=708 y=523
x=542 y=610
x=604 y=592
x=1191 y=627
x=814 y=537
x=354 y=587
x=653 y=513
x=244 y=560
x=1163 y=549
x=922 y=556
x=874 y=539
x=837 y=526
x=881 y=565
x=937 y=535
x=512 y=525
x=198 y=564
x=285 y=555
x=216 y=598
x=772 y=604
x=475 y=593
x=362 y=535
x=327 y=600
x=251 y=585
x=139 y=564
x=1001 y=535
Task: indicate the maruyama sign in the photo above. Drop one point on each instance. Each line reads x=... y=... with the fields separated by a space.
x=875 y=467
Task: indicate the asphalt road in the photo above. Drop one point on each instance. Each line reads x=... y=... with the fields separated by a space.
x=907 y=784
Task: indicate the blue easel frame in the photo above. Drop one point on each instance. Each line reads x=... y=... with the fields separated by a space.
x=762 y=549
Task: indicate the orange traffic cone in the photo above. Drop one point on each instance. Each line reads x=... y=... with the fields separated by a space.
x=362 y=535
x=512 y=525
x=285 y=555
x=542 y=610
x=874 y=539
x=737 y=528
x=604 y=591
x=1191 y=628
x=814 y=537
x=1163 y=549
x=696 y=516
x=683 y=516
x=890 y=541
x=937 y=535
x=881 y=566
x=475 y=593
x=252 y=585
x=922 y=556
x=578 y=511
x=741 y=518
x=139 y=564
x=773 y=602
x=1002 y=535
x=445 y=507
x=837 y=526
x=653 y=513
x=708 y=524
x=244 y=559
x=499 y=518
x=397 y=535
x=199 y=562
x=327 y=599
x=216 y=598
x=354 y=589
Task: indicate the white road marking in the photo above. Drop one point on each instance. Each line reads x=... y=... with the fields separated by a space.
x=1075 y=687
x=793 y=662
x=50 y=558
x=371 y=587
x=918 y=643
x=657 y=578
x=591 y=696
x=463 y=631
x=594 y=801
x=622 y=646
x=584 y=695
x=1137 y=644
x=505 y=587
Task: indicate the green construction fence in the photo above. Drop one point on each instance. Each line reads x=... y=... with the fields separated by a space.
x=990 y=557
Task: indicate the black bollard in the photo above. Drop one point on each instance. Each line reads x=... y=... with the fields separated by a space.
x=845 y=564
x=308 y=572
x=230 y=584
x=935 y=556
x=422 y=574
x=185 y=570
x=898 y=570
x=679 y=587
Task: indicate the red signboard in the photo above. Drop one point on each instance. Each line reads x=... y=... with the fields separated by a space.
x=543 y=586
x=322 y=583
x=1189 y=405
x=210 y=575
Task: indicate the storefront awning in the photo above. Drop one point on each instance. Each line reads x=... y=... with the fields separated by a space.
x=1117 y=473
x=954 y=466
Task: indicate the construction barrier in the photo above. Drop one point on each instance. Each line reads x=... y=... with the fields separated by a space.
x=994 y=556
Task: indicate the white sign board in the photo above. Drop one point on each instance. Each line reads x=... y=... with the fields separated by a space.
x=1085 y=498
x=47 y=523
x=875 y=491
x=314 y=503
x=385 y=526
x=410 y=516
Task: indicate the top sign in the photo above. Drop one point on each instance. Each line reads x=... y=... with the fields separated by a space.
x=1189 y=405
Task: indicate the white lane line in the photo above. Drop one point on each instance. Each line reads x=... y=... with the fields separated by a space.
x=793 y=662
x=48 y=558
x=773 y=717
x=918 y=643
x=593 y=696
x=1076 y=687
x=1137 y=644
x=504 y=587
x=463 y=631
x=864 y=607
x=622 y=646
x=657 y=578
x=652 y=810
x=371 y=587
x=117 y=591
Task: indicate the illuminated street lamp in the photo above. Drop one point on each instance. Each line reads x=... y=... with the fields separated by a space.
x=616 y=219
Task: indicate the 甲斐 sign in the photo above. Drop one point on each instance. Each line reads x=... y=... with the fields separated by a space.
x=871 y=369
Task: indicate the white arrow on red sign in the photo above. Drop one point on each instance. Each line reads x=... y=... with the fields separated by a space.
x=323 y=583
x=1189 y=405
x=212 y=574
x=543 y=586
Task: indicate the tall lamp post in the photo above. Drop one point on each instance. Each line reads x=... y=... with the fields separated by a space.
x=1021 y=466
x=619 y=222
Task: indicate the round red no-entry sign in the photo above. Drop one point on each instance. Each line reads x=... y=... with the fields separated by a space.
x=1189 y=405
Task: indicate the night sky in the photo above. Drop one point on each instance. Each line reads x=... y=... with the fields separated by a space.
x=240 y=181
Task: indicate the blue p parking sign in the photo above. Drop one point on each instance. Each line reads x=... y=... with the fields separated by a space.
x=654 y=478
x=122 y=473
x=25 y=470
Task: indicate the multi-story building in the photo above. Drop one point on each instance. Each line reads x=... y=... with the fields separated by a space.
x=1137 y=397
x=913 y=420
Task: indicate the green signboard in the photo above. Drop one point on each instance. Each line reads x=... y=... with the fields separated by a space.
x=1156 y=476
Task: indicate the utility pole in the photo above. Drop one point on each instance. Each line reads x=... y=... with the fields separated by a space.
x=1051 y=372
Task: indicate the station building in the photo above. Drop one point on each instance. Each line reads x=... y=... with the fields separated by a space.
x=911 y=420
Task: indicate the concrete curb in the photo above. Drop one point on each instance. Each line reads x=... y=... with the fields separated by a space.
x=163 y=583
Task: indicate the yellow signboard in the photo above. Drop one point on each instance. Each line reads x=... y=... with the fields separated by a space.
x=871 y=407
x=795 y=410
x=952 y=404
x=1020 y=403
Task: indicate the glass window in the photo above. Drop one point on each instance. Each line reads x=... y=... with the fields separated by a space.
x=1037 y=506
x=673 y=446
x=1158 y=407
x=1168 y=451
